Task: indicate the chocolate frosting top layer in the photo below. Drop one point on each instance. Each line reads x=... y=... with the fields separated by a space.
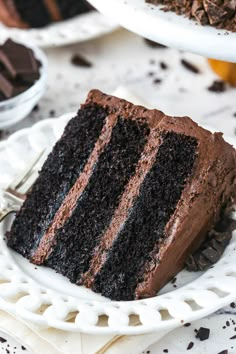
x=218 y=13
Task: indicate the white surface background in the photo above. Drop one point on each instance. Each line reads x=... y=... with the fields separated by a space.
x=124 y=59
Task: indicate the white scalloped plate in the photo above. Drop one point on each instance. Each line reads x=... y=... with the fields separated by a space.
x=40 y=295
x=78 y=29
x=167 y=28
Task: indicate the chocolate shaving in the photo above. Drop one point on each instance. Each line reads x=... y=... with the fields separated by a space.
x=78 y=60
x=214 y=245
x=218 y=13
x=190 y=346
x=189 y=66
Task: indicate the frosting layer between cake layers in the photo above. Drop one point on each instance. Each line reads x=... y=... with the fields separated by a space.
x=130 y=194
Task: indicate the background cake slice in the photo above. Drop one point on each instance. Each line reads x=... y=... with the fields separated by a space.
x=39 y=13
x=126 y=195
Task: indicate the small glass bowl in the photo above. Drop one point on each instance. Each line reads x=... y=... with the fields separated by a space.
x=14 y=109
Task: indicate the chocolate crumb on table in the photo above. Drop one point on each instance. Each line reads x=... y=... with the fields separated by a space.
x=203 y=333
x=187 y=324
x=189 y=66
x=217 y=86
x=163 y=65
x=78 y=60
x=157 y=81
x=190 y=346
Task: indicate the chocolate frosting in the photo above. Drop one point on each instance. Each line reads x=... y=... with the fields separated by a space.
x=218 y=13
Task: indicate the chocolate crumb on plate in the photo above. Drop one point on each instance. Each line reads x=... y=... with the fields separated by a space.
x=78 y=60
x=2 y=340
x=224 y=352
x=227 y=323
x=234 y=337
x=153 y=44
x=165 y=351
x=233 y=305
x=23 y=348
x=190 y=346
x=203 y=333
x=189 y=66
x=217 y=86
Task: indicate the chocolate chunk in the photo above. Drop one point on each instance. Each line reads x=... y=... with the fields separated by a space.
x=19 y=61
x=224 y=352
x=165 y=351
x=217 y=86
x=234 y=337
x=9 y=87
x=78 y=60
x=153 y=44
x=2 y=340
x=203 y=333
x=190 y=346
x=189 y=66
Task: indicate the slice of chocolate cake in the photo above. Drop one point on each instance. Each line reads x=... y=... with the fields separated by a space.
x=126 y=195
x=39 y=13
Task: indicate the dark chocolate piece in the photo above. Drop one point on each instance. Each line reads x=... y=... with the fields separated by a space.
x=234 y=337
x=2 y=340
x=78 y=60
x=19 y=61
x=217 y=86
x=224 y=352
x=189 y=66
x=203 y=333
x=9 y=87
x=163 y=65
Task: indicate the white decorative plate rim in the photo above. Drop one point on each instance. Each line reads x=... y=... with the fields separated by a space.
x=74 y=30
x=27 y=298
x=167 y=28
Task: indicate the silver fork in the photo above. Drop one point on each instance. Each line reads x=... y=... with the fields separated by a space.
x=14 y=195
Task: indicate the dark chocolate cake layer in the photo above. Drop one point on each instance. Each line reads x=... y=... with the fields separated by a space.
x=39 y=13
x=58 y=175
x=218 y=13
x=149 y=191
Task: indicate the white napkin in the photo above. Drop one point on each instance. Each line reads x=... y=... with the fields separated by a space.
x=53 y=341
